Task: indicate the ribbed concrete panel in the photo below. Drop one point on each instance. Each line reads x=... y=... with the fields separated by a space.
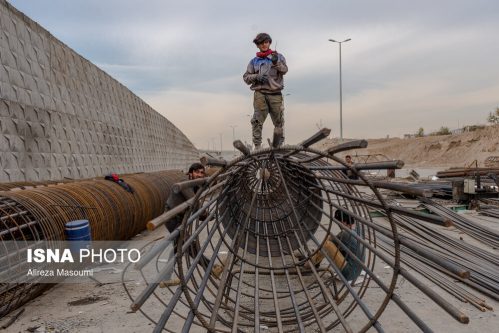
x=61 y=116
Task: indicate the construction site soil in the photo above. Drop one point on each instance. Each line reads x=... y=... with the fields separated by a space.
x=454 y=150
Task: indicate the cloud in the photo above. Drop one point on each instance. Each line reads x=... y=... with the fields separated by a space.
x=394 y=110
x=202 y=116
x=408 y=65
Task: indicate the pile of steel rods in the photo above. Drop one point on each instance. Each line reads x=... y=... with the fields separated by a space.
x=41 y=212
x=471 y=265
x=432 y=272
x=485 y=235
x=438 y=189
x=463 y=172
x=492 y=211
x=246 y=249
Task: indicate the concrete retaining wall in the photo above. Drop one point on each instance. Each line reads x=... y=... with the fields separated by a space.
x=61 y=116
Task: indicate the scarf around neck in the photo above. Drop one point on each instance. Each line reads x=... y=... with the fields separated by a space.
x=264 y=54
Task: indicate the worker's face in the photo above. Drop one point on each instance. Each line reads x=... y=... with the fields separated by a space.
x=348 y=159
x=349 y=226
x=264 y=46
x=199 y=173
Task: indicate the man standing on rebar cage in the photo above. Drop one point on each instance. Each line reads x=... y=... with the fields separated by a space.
x=265 y=75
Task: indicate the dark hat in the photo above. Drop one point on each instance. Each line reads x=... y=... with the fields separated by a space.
x=195 y=166
x=262 y=37
x=343 y=217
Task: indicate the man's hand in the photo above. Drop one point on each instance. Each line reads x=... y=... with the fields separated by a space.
x=262 y=78
x=274 y=57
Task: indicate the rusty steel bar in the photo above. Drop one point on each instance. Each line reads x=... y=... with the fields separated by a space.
x=356 y=144
x=166 y=216
x=179 y=187
x=206 y=160
x=428 y=254
x=397 y=164
x=320 y=135
x=399 y=187
x=239 y=145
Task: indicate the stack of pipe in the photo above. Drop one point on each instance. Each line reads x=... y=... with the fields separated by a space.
x=40 y=213
x=465 y=172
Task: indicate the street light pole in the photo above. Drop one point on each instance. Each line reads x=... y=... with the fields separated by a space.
x=233 y=135
x=220 y=144
x=341 y=89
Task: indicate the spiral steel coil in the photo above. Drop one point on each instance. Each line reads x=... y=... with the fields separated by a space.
x=263 y=218
x=262 y=247
x=41 y=212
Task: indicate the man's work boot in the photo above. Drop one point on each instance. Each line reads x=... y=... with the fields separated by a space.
x=217 y=270
x=169 y=283
x=298 y=254
x=316 y=260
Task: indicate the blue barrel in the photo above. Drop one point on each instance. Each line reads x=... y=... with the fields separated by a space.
x=78 y=235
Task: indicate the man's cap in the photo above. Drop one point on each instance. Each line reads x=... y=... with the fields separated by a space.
x=195 y=166
x=343 y=217
x=262 y=37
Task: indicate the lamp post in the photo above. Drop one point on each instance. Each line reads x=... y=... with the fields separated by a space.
x=221 y=144
x=341 y=93
x=233 y=135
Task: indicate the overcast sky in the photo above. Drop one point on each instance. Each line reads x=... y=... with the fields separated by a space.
x=409 y=64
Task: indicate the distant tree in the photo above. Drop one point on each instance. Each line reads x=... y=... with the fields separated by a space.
x=420 y=132
x=443 y=131
x=472 y=128
x=493 y=117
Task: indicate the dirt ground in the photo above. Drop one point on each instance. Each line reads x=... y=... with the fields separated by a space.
x=457 y=150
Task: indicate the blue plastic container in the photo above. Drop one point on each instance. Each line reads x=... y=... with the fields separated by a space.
x=78 y=235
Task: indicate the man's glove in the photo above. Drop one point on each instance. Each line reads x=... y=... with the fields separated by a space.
x=262 y=78
x=274 y=57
